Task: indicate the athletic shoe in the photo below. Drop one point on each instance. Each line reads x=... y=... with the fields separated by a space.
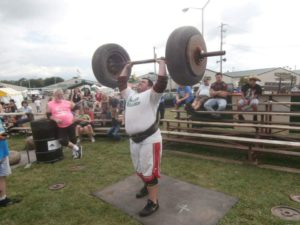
x=142 y=193
x=149 y=209
x=80 y=152
x=77 y=154
x=92 y=139
x=9 y=201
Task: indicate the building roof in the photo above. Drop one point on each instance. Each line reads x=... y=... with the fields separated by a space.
x=296 y=71
x=250 y=72
x=15 y=87
x=72 y=83
x=153 y=76
x=257 y=72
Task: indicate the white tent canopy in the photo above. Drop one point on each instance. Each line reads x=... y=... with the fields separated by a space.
x=8 y=93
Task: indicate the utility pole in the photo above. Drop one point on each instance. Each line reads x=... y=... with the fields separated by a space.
x=155 y=56
x=221 y=44
x=202 y=14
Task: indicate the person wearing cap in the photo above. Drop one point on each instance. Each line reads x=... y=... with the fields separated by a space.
x=202 y=94
x=250 y=93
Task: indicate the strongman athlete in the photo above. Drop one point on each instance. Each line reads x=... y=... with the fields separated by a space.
x=142 y=126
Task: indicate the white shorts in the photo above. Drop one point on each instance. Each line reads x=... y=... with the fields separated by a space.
x=146 y=159
x=4 y=167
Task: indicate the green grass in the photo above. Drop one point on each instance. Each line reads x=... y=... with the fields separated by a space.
x=107 y=162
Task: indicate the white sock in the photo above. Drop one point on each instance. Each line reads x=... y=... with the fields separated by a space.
x=3 y=197
x=75 y=148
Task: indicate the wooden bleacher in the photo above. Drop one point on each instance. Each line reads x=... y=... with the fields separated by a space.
x=266 y=135
x=99 y=129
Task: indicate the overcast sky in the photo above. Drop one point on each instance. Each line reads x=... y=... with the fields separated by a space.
x=43 y=38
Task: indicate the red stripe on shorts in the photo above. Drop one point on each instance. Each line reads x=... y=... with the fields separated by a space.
x=156 y=160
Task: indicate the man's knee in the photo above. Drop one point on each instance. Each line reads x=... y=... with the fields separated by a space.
x=222 y=105
x=152 y=182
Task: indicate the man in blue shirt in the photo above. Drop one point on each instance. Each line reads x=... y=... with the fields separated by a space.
x=4 y=168
x=184 y=95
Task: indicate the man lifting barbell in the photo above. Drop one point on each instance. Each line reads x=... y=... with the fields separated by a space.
x=142 y=126
x=186 y=58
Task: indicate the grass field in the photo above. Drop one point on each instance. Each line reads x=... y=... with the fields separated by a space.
x=107 y=162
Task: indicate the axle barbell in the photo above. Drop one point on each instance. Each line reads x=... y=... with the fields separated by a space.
x=186 y=58
x=199 y=57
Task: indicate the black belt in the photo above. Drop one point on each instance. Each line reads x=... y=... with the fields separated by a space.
x=139 y=137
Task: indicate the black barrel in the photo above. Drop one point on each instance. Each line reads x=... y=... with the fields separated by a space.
x=48 y=148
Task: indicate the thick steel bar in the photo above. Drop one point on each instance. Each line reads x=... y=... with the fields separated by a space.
x=210 y=54
x=145 y=61
x=201 y=55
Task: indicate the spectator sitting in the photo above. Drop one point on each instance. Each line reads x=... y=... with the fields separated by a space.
x=218 y=93
x=116 y=121
x=202 y=94
x=24 y=118
x=76 y=97
x=250 y=93
x=84 y=125
x=97 y=109
x=11 y=107
x=114 y=102
x=98 y=96
x=87 y=98
x=105 y=114
x=184 y=95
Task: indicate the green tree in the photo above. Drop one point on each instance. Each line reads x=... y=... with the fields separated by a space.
x=52 y=80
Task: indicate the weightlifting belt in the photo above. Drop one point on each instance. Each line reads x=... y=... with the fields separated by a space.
x=139 y=137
